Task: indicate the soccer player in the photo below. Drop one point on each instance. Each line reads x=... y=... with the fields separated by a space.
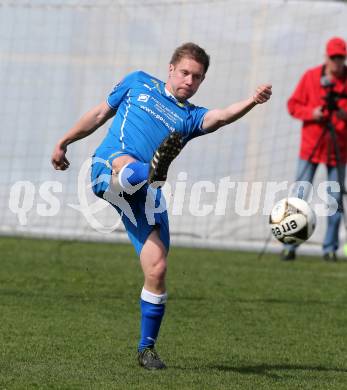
x=153 y=121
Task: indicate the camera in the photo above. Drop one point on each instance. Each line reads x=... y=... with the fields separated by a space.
x=331 y=98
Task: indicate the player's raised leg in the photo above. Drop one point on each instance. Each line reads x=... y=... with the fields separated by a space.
x=128 y=172
x=153 y=299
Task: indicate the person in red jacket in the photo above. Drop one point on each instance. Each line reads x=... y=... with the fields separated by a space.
x=309 y=103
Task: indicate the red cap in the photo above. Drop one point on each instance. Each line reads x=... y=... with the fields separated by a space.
x=336 y=47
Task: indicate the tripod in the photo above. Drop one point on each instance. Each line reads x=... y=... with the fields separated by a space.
x=328 y=129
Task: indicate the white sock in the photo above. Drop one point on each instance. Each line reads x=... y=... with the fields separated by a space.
x=156 y=299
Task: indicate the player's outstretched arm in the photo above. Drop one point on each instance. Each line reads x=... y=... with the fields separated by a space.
x=219 y=117
x=88 y=123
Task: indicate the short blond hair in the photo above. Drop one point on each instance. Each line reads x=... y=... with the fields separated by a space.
x=193 y=51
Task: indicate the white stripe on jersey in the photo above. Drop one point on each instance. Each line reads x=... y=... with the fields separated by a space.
x=124 y=120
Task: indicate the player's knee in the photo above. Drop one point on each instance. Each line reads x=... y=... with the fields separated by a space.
x=119 y=162
x=158 y=270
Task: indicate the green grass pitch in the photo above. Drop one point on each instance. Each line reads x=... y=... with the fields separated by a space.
x=70 y=319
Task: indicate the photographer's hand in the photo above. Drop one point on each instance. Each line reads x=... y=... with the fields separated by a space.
x=318 y=114
x=341 y=114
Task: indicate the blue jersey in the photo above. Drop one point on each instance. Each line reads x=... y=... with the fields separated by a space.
x=146 y=114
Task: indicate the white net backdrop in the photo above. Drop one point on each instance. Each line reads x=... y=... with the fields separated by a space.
x=60 y=58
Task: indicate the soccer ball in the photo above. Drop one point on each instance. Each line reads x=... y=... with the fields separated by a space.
x=292 y=221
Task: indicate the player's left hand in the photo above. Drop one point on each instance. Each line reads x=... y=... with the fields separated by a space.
x=262 y=93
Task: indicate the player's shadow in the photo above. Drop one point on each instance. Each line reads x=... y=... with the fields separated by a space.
x=264 y=369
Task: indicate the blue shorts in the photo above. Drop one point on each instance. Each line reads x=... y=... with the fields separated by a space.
x=140 y=219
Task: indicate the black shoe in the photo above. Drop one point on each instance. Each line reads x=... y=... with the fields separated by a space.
x=330 y=256
x=288 y=255
x=149 y=359
x=168 y=150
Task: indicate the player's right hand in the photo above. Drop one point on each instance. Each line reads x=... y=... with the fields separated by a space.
x=59 y=160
